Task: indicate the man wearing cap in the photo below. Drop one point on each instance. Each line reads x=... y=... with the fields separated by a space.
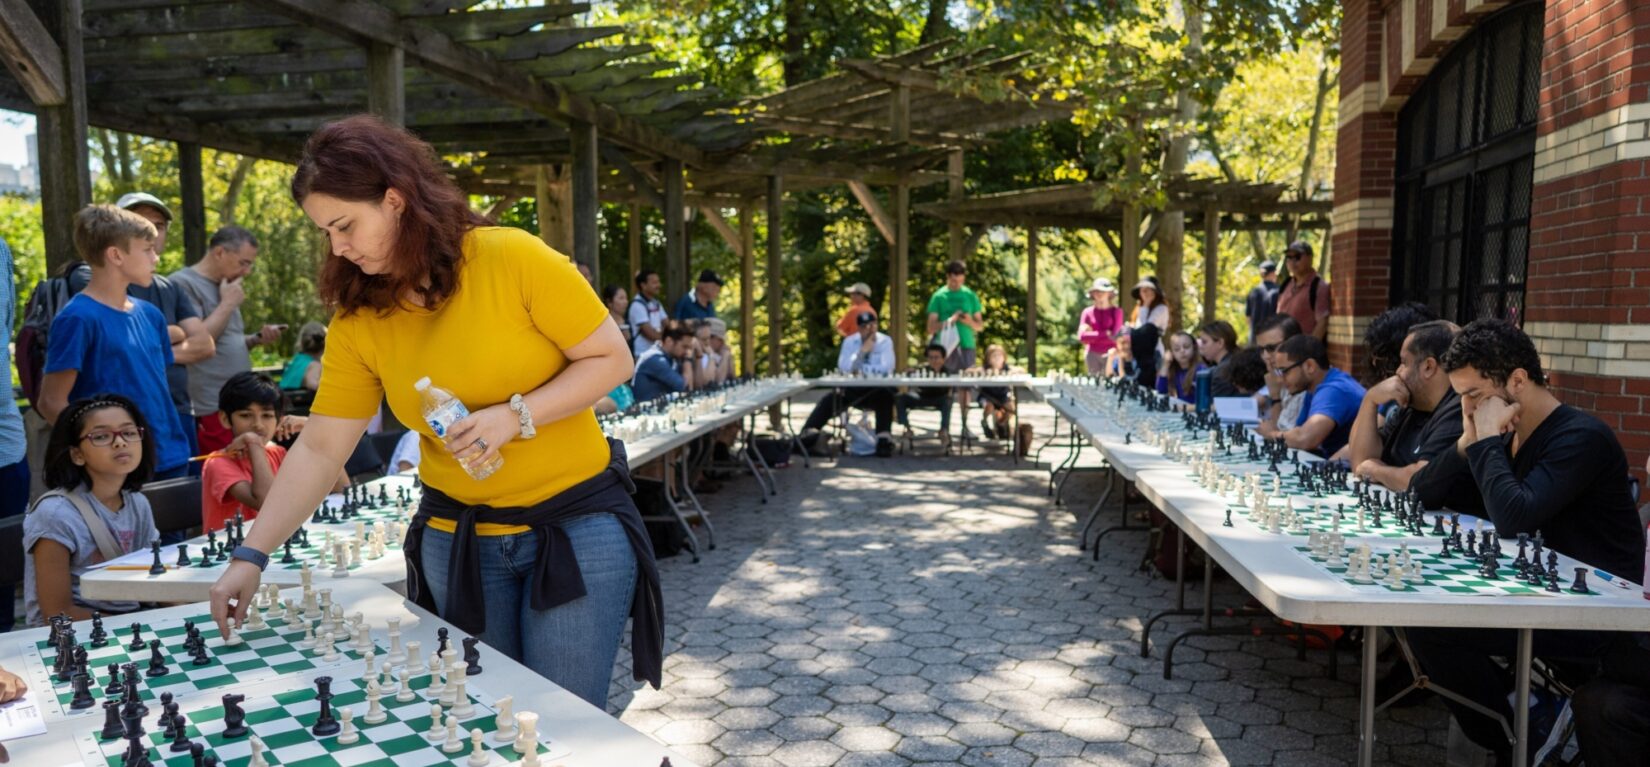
x=859 y=302
x=700 y=303
x=1262 y=300
x=867 y=353
x=191 y=341
x=1098 y=328
x=1304 y=295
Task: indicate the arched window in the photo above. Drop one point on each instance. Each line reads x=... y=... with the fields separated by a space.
x=1466 y=152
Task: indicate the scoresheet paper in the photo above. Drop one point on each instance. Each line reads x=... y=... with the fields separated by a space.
x=21 y=718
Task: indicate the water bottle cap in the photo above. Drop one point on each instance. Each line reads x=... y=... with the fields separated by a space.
x=422 y=383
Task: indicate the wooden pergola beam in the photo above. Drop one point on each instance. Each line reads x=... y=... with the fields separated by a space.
x=31 y=54
x=644 y=186
x=879 y=216
x=856 y=131
x=433 y=50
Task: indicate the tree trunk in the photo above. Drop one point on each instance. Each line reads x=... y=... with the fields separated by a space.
x=232 y=196
x=935 y=27
x=123 y=172
x=1304 y=188
x=1171 y=235
x=792 y=42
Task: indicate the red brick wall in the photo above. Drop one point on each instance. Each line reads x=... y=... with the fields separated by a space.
x=1365 y=148
x=1595 y=59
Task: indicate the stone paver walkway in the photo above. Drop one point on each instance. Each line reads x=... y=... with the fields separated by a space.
x=930 y=609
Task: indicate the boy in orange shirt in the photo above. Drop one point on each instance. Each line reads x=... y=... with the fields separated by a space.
x=249 y=405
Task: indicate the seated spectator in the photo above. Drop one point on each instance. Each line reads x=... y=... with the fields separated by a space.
x=995 y=401
x=859 y=302
x=870 y=353
x=1303 y=366
x=1179 y=373
x=407 y=454
x=1244 y=371
x=715 y=357
x=304 y=371
x=1120 y=360
x=616 y=401
x=1216 y=343
x=1400 y=452
x=666 y=367
x=1279 y=405
x=926 y=397
x=1385 y=337
x=238 y=479
x=1567 y=480
x=616 y=300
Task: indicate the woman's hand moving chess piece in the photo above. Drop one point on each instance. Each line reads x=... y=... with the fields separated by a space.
x=12 y=686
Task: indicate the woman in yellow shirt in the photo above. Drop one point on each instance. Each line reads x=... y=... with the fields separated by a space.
x=544 y=559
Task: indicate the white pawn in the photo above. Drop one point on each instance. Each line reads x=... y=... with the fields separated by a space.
x=291 y=612
x=436 y=677
x=527 y=734
x=436 y=731
x=387 y=677
x=478 y=754
x=258 y=759
x=329 y=652
x=375 y=708
x=347 y=735
x=505 y=723
x=405 y=695
x=255 y=621
x=371 y=674
x=453 y=744
x=308 y=642
x=234 y=637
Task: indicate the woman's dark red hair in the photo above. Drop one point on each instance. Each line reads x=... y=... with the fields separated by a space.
x=358 y=159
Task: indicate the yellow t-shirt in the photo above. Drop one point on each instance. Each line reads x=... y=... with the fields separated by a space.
x=502 y=332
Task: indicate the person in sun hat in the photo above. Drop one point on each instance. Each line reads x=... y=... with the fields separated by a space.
x=1099 y=325
x=859 y=302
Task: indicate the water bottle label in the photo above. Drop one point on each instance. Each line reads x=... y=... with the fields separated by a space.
x=442 y=418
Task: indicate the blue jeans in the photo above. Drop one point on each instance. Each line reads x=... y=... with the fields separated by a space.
x=573 y=645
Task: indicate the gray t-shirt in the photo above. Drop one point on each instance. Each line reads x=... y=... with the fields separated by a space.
x=208 y=376
x=57 y=519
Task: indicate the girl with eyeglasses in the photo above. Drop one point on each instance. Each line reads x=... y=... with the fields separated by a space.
x=97 y=459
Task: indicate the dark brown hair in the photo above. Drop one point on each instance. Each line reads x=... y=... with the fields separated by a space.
x=358 y=159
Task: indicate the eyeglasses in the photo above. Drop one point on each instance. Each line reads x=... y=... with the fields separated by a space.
x=1269 y=348
x=1294 y=256
x=107 y=438
x=1281 y=372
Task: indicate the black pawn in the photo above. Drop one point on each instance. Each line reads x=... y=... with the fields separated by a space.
x=114 y=687
x=325 y=724
x=137 y=644
x=472 y=657
x=211 y=760
x=169 y=717
x=100 y=636
x=1552 y=582
x=1228 y=522
x=198 y=653
x=183 y=555
x=441 y=640
x=1580 y=585
x=287 y=558
x=82 y=692
x=180 y=735
x=234 y=717
x=157 y=662
x=1444 y=554
x=156 y=568
x=197 y=754
x=112 y=728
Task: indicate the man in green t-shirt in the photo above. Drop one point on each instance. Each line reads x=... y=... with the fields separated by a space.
x=956 y=305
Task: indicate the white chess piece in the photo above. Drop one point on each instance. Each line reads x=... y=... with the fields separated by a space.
x=306 y=577
x=347 y=734
x=436 y=731
x=451 y=673
x=436 y=677
x=462 y=708
x=234 y=637
x=291 y=615
x=363 y=638
x=371 y=674
x=258 y=759
x=329 y=651
x=527 y=738
x=505 y=723
x=375 y=707
x=386 y=677
x=255 y=620
x=412 y=654
x=478 y=753
x=453 y=745
x=405 y=695
x=340 y=561
x=308 y=642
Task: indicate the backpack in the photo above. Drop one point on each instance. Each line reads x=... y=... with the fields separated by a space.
x=1311 y=293
x=49 y=297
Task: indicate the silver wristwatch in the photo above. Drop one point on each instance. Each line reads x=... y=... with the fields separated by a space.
x=524 y=415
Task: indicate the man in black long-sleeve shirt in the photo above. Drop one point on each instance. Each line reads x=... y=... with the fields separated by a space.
x=1541 y=466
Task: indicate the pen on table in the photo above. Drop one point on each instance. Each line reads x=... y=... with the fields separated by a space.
x=133 y=567
x=1611 y=579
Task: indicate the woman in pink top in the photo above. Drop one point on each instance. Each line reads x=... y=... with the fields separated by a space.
x=1099 y=325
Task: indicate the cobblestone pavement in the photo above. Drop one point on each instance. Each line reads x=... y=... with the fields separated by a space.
x=935 y=610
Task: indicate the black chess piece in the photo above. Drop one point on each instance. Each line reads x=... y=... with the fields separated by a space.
x=82 y=692
x=1552 y=582
x=197 y=754
x=183 y=555
x=113 y=687
x=1472 y=546
x=1228 y=521
x=1444 y=554
x=168 y=717
x=234 y=717
x=99 y=636
x=1492 y=567
x=156 y=568
x=200 y=656
x=472 y=657
x=211 y=760
x=180 y=735
x=441 y=641
x=137 y=644
x=157 y=662
x=1438 y=525
x=1552 y=566
x=325 y=723
x=1521 y=562
x=286 y=557
x=1580 y=584
x=112 y=728
x=137 y=748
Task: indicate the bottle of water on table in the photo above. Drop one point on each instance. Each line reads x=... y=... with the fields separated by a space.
x=441 y=410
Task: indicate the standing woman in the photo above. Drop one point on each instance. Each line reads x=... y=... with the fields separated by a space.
x=614 y=298
x=1099 y=324
x=546 y=558
x=1150 y=308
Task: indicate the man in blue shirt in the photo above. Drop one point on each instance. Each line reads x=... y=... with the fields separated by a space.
x=700 y=303
x=665 y=368
x=869 y=354
x=1302 y=362
x=14 y=469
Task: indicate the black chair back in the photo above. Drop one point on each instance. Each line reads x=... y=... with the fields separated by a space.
x=176 y=504
x=384 y=443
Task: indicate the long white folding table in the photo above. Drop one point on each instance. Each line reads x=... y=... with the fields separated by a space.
x=837 y=383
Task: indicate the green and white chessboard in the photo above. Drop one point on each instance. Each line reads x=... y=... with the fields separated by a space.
x=1325 y=522
x=263 y=654
x=310 y=554
x=1457 y=575
x=283 y=720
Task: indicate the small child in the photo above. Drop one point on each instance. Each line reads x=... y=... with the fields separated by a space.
x=98 y=456
x=238 y=480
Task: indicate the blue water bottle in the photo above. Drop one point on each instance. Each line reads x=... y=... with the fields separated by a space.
x=1203 y=392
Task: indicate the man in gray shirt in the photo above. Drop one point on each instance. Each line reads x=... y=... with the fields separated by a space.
x=215 y=285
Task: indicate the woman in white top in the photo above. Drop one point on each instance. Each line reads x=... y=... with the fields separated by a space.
x=1149 y=306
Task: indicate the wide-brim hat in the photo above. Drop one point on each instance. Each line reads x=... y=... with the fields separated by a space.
x=1149 y=282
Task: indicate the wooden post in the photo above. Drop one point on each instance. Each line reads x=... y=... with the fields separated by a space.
x=1031 y=300
x=386 y=83
x=555 y=207
x=776 y=241
x=194 y=202
x=954 y=192
x=747 y=288
x=1211 y=264
x=899 y=114
x=586 y=201
x=65 y=178
x=676 y=276
x=1129 y=263
x=899 y=290
x=635 y=245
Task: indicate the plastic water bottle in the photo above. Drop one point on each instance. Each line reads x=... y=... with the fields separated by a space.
x=441 y=410
x=1202 y=391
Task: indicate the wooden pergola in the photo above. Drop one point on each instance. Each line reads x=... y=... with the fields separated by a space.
x=1211 y=205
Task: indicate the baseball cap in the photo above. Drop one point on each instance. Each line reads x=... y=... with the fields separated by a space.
x=866 y=318
x=710 y=276
x=1268 y=266
x=1102 y=285
x=860 y=288
x=131 y=200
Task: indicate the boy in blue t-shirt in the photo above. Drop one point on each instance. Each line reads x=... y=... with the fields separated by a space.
x=1326 y=421
x=103 y=341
